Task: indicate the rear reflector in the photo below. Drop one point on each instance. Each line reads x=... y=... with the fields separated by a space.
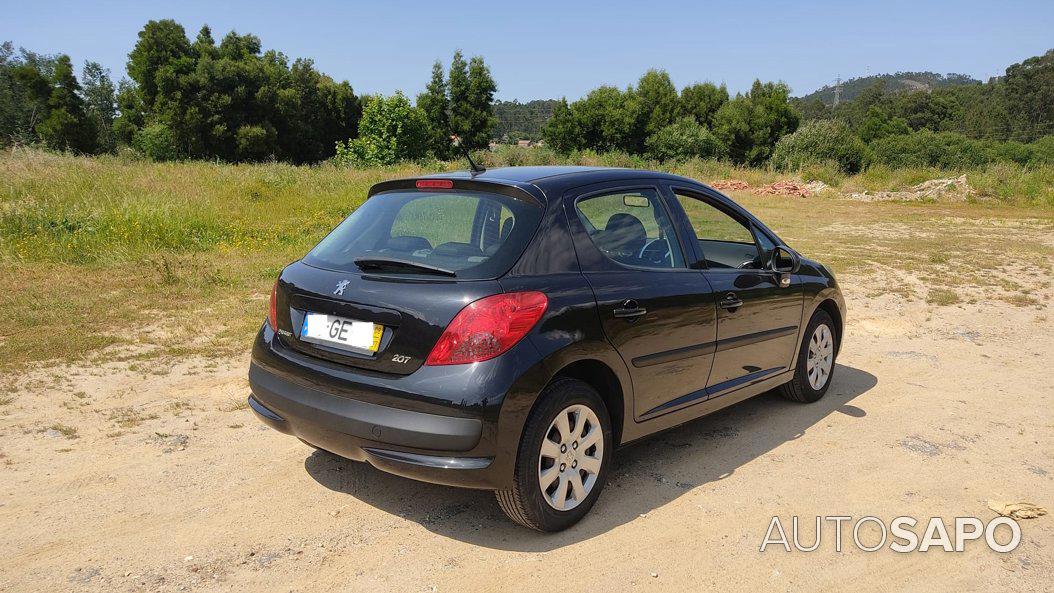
x=488 y=328
x=435 y=184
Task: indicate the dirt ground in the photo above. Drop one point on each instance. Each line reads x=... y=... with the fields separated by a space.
x=153 y=476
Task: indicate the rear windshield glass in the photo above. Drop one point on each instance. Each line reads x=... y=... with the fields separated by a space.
x=472 y=235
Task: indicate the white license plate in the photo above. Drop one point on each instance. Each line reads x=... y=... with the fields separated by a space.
x=341 y=332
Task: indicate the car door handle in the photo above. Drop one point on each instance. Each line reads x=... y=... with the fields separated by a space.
x=629 y=309
x=730 y=302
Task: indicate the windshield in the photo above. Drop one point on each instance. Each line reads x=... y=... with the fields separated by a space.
x=474 y=235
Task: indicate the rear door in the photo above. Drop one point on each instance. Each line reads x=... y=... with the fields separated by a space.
x=658 y=313
x=757 y=319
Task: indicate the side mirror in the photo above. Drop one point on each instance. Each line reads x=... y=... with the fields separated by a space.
x=784 y=262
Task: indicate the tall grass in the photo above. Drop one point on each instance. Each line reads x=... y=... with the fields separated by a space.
x=110 y=251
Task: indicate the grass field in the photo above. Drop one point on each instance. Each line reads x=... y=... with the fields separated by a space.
x=178 y=258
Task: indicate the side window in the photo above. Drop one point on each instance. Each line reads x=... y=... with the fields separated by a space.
x=725 y=241
x=631 y=228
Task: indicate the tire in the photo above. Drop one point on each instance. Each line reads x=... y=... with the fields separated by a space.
x=526 y=502
x=806 y=387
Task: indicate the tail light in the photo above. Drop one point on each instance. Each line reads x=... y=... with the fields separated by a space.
x=488 y=328
x=272 y=312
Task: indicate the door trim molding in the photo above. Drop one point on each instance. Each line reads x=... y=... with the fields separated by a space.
x=712 y=347
x=712 y=392
x=675 y=354
x=754 y=338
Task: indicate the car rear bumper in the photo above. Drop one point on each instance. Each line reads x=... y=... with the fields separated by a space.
x=392 y=426
x=445 y=425
x=378 y=435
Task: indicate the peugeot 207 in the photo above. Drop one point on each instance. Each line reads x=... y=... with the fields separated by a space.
x=508 y=330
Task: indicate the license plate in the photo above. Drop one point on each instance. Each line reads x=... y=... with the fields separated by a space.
x=341 y=332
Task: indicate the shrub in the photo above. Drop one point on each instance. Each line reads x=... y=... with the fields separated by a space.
x=683 y=140
x=946 y=150
x=1043 y=150
x=828 y=172
x=155 y=141
x=391 y=131
x=255 y=143
x=818 y=142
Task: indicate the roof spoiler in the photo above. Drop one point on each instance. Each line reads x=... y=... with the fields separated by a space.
x=513 y=190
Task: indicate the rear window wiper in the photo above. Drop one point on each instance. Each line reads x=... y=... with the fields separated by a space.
x=393 y=264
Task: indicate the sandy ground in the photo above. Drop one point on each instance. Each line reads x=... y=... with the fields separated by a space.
x=170 y=485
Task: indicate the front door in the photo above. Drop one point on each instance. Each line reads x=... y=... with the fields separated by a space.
x=658 y=313
x=757 y=319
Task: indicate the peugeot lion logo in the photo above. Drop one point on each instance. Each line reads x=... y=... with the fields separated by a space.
x=341 y=286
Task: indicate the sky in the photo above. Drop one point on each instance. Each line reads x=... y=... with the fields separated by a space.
x=542 y=49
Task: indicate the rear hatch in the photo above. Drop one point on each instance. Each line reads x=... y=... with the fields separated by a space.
x=412 y=313
x=407 y=261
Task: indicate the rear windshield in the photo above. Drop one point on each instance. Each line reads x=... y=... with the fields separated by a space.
x=471 y=235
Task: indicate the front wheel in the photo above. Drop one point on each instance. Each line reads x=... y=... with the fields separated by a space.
x=815 y=367
x=563 y=458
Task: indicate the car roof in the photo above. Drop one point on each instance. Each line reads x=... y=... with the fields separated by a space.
x=519 y=174
x=540 y=182
x=568 y=175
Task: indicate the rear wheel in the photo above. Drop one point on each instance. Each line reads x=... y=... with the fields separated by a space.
x=563 y=458
x=815 y=367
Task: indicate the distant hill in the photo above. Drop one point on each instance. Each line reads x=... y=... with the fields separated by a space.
x=901 y=81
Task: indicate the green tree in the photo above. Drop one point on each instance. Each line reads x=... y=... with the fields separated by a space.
x=878 y=124
x=609 y=119
x=457 y=95
x=683 y=140
x=701 y=102
x=391 y=130
x=659 y=103
x=162 y=49
x=25 y=87
x=233 y=100
x=1030 y=96
x=100 y=97
x=130 y=112
x=561 y=132
x=435 y=106
x=751 y=124
x=462 y=105
x=66 y=126
x=480 y=107
x=932 y=111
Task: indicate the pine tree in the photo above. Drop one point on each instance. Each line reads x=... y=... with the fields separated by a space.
x=480 y=113
x=458 y=93
x=435 y=106
x=100 y=96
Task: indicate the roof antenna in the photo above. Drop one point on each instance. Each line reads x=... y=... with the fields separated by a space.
x=476 y=169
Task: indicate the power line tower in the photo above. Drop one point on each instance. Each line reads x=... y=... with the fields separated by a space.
x=837 y=91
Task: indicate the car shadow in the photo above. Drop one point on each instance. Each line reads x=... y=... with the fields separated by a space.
x=695 y=454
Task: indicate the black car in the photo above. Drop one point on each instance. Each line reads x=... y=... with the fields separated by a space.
x=508 y=330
